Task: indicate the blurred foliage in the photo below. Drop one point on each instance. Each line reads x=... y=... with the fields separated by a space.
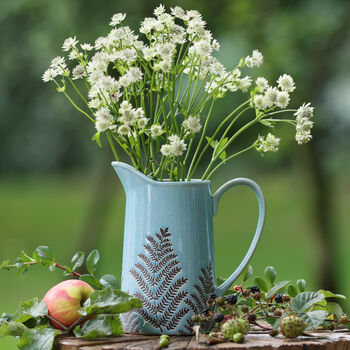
x=42 y=132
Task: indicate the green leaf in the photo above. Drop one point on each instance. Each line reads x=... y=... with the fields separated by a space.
x=92 y=261
x=109 y=301
x=93 y=281
x=313 y=319
x=30 y=309
x=270 y=274
x=14 y=329
x=101 y=326
x=5 y=264
x=110 y=281
x=44 y=255
x=279 y=286
x=301 y=285
x=328 y=294
x=306 y=299
x=261 y=284
x=248 y=271
x=335 y=309
x=292 y=291
x=220 y=280
x=40 y=338
x=26 y=257
x=77 y=260
x=97 y=138
x=277 y=323
x=249 y=302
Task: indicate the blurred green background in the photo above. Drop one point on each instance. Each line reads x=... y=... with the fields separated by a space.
x=58 y=189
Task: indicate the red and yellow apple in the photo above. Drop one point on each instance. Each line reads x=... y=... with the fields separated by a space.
x=65 y=300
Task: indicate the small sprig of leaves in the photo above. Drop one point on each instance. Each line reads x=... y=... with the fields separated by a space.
x=268 y=302
x=31 y=322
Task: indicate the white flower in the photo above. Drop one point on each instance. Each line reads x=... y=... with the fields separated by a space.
x=282 y=99
x=259 y=101
x=202 y=48
x=286 y=83
x=164 y=66
x=124 y=80
x=159 y=10
x=217 y=68
x=139 y=113
x=86 y=47
x=49 y=75
x=262 y=83
x=125 y=106
x=156 y=130
x=178 y=146
x=269 y=144
x=134 y=74
x=123 y=130
x=303 y=137
x=74 y=54
x=270 y=96
x=192 y=124
x=215 y=45
x=304 y=124
x=166 y=150
x=256 y=60
x=127 y=116
x=95 y=103
x=104 y=119
x=142 y=122
x=78 y=72
x=117 y=18
x=148 y=53
x=178 y=12
x=304 y=111
x=58 y=62
x=244 y=83
x=69 y=44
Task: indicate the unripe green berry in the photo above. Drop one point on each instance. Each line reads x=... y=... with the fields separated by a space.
x=233 y=326
x=292 y=326
x=238 y=338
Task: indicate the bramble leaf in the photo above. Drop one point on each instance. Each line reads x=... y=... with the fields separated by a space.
x=100 y=326
x=313 y=319
x=33 y=308
x=110 y=281
x=40 y=338
x=328 y=294
x=44 y=255
x=109 y=301
x=261 y=284
x=270 y=274
x=301 y=285
x=248 y=271
x=14 y=329
x=278 y=287
x=306 y=299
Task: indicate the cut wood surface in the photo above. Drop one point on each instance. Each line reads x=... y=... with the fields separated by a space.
x=319 y=340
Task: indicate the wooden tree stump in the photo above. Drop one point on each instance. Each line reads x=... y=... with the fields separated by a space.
x=335 y=340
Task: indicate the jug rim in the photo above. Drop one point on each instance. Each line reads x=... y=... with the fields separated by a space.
x=165 y=182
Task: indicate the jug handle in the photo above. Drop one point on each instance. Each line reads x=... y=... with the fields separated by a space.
x=216 y=197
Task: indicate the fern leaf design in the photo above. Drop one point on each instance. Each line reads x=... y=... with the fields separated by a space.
x=174 y=321
x=197 y=301
x=142 y=284
x=130 y=321
x=156 y=275
x=147 y=276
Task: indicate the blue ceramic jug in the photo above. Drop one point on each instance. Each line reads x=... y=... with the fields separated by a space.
x=168 y=256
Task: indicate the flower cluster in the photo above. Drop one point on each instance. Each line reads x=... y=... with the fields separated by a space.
x=153 y=94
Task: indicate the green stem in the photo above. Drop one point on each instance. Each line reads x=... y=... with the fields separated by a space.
x=112 y=145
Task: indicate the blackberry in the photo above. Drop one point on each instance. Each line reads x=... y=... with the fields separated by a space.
x=251 y=318
x=292 y=326
x=279 y=298
x=277 y=312
x=246 y=293
x=206 y=311
x=257 y=295
x=218 y=317
x=254 y=289
x=212 y=297
x=231 y=299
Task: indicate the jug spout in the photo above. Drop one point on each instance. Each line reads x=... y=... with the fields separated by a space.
x=129 y=176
